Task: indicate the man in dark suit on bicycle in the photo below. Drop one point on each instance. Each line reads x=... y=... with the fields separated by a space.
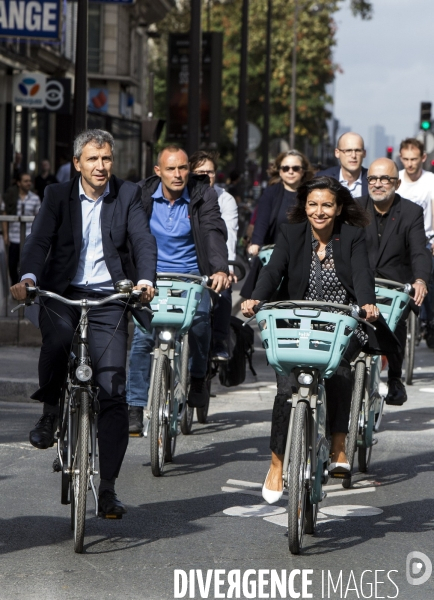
x=397 y=250
x=90 y=233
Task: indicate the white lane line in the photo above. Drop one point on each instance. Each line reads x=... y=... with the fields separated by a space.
x=344 y=492
x=428 y=390
x=232 y=490
x=249 y=484
x=251 y=392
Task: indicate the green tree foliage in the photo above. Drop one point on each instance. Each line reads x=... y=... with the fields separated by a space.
x=316 y=37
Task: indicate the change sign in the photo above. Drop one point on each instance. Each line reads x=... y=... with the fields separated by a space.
x=30 y=19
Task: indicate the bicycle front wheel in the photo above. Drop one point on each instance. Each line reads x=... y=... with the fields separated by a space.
x=410 y=347
x=353 y=430
x=80 y=475
x=297 y=487
x=160 y=416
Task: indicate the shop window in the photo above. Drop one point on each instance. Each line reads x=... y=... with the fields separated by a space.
x=95 y=35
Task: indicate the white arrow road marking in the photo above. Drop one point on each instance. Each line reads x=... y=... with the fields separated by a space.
x=254 y=510
x=359 y=487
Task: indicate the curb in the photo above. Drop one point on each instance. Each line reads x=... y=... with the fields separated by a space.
x=16 y=390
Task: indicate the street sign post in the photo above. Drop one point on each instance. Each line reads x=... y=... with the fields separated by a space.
x=38 y=19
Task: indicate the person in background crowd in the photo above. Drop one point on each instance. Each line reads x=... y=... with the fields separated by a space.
x=350 y=151
x=234 y=186
x=64 y=171
x=184 y=216
x=397 y=250
x=205 y=163
x=289 y=171
x=18 y=200
x=417 y=185
x=44 y=178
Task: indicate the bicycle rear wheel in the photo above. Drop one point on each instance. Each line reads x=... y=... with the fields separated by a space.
x=297 y=488
x=80 y=474
x=160 y=416
x=410 y=347
x=353 y=430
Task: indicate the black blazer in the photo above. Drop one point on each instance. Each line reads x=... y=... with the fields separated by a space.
x=334 y=172
x=52 y=250
x=292 y=258
x=265 y=230
x=401 y=255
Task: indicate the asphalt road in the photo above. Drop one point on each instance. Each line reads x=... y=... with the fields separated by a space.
x=206 y=513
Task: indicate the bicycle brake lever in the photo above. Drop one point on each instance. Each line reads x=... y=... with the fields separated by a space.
x=23 y=305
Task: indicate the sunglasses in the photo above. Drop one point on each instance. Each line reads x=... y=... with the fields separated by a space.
x=296 y=169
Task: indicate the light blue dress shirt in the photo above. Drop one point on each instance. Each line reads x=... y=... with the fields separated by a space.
x=170 y=224
x=355 y=188
x=92 y=272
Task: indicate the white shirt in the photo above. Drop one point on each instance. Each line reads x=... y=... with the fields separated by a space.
x=29 y=207
x=229 y=212
x=355 y=188
x=420 y=192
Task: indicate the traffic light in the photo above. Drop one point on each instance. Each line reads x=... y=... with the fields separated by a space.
x=425 y=115
x=389 y=151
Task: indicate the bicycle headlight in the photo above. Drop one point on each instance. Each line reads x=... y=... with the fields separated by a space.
x=305 y=379
x=83 y=373
x=165 y=336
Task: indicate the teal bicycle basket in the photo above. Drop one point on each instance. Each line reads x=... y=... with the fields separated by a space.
x=175 y=305
x=303 y=337
x=391 y=304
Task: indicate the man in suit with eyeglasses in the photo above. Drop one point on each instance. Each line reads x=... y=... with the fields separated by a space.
x=350 y=151
x=395 y=238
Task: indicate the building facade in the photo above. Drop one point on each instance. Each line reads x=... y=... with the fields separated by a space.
x=117 y=87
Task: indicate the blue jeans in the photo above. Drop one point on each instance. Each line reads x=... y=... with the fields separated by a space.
x=199 y=338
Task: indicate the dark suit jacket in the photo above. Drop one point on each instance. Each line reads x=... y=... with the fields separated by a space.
x=334 y=172
x=292 y=258
x=52 y=250
x=401 y=255
x=265 y=231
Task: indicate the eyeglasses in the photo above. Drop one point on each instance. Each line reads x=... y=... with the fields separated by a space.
x=205 y=172
x=296 y=169
x=349 y=151
x=384 y=179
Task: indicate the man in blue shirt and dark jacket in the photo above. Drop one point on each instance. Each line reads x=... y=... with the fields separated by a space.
x=185 y=219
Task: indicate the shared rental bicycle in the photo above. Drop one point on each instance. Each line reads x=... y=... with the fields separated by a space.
x=367 y=403
x=167 y=414
x=77 y=429
x=307 y=339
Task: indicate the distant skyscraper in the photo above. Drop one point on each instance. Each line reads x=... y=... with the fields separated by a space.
x=378 y=142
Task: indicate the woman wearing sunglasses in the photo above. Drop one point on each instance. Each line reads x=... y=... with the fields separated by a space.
x=289 y=171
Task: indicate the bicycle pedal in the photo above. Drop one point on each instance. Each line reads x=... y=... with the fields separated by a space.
x=136 y=435
x=57 y=467
x=340 y=475
x=105 y=516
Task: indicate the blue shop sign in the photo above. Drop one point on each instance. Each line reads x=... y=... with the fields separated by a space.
x=115 y=1
x=38 y=19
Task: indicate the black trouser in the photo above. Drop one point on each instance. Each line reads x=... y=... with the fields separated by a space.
x=13 y=262
x=222 y=316
x=395 y=360
x=338 y=392
x=107 y=336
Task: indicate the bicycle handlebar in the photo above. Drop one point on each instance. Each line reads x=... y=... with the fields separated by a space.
x=407 y=288
x=32 y=292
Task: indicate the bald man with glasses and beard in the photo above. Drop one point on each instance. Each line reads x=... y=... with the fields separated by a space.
x=395 y=239
x=350 y=151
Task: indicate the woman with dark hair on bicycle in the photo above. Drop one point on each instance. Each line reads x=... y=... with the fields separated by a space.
x=290 y=170
x=322 y=251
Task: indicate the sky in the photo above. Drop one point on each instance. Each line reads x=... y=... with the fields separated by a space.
x=388 y=67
